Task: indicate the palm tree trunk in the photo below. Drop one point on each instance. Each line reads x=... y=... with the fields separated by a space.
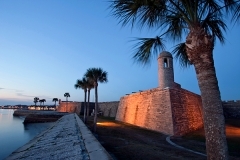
x=67 y=103
x=96 y=109
x=88 y=105
x=199 y=51
x=85 y=108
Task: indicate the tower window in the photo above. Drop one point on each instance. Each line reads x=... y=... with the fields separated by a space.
x=165 y=63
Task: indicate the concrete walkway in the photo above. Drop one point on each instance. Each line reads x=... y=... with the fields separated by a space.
x=68 y=138
x=180 y=147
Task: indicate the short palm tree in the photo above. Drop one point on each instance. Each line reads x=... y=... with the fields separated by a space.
x=66 y=95
x=200 y=22
x=82 y=84
x=55 y=100
x=35 y=100
x=40 y=101
x=43 y=100
x=96 y=75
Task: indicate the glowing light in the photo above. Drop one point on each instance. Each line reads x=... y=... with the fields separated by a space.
x=108 y=124
x=232 y=131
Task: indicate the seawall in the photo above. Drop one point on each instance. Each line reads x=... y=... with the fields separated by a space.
x=68 y=138
x=32 y=116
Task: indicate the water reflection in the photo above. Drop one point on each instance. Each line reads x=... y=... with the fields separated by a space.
x=32 y=129
x=14 y=134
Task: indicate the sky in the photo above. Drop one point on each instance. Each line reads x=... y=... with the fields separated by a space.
x=45 y=46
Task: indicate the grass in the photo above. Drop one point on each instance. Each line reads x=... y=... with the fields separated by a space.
x=232 y=132
x=125 y=141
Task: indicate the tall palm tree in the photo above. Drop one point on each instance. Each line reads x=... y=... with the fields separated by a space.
x=96 y=75
x=90 y=86
x=35 y=100
x=201 y=23
x=55 y=100
x=82 y=84
x=66 y=95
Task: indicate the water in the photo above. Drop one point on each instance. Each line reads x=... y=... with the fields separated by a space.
x=14 y=134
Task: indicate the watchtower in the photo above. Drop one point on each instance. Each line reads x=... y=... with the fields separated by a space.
x=165 y=70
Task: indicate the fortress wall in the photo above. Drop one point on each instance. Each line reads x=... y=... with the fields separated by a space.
x=109 y=109
x=231 y=109
x=149 y=109
x=71 y=107
x=186 y=110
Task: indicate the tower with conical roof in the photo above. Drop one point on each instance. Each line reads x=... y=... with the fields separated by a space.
x=165 y=70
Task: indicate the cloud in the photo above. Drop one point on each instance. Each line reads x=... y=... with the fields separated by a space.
x=19 y=90
x=16 y=90
x=41 y=96
x=23 y=95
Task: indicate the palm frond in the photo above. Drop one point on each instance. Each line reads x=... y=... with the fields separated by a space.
x=83 y=84
x=236 y=13
x=230 y=5
x=143 y=12
x=96 y=75
x=181 y=55
x=90 y=84
x=176 y=26
x=214 y=25
x=66 y=94
x=147 y=48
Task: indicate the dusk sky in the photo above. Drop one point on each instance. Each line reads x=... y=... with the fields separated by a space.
x=46 y=45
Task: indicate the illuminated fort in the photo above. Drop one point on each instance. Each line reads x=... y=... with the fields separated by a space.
x=168 y=108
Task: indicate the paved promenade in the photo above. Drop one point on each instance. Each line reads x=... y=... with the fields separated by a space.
x=68 y=138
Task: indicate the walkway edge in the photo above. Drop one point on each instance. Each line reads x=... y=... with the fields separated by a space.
x=180 y=147
x=93 y=146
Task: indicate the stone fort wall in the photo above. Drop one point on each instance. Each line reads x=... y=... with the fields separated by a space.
x=108 y=109
x=71 y=107
x=186 y=111
x=170 y=111
x=231 y=109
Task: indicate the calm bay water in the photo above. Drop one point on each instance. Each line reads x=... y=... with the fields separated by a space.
x=14 y=134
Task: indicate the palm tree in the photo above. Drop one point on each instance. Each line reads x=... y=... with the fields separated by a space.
x=55 y=100
x=96 y=75
x=43 y=100
x=201 y=23
x=40 y=101
x=82 y=84
x=35 y=100
x=66 y=95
